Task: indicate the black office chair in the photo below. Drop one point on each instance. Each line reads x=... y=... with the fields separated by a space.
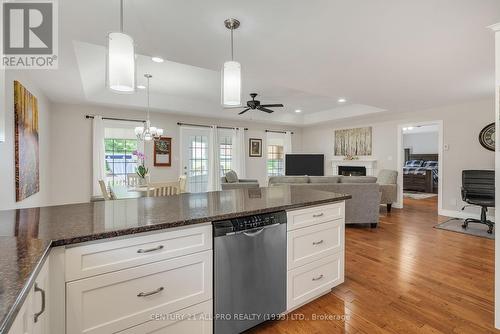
x=478 y=188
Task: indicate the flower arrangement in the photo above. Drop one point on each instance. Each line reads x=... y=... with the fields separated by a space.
x=141 y=169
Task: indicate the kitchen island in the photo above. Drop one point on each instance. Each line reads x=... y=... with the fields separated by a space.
x=64 y=232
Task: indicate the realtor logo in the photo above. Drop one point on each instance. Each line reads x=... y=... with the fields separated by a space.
x=29 y=34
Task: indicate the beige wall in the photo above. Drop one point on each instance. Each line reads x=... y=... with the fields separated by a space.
x=461 y=127
x=71 y=147
x=7 y=162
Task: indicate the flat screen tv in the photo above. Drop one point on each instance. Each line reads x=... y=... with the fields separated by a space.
x=305 y=164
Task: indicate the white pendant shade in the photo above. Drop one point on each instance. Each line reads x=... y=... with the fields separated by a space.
x=121 y=63
x=231 y=83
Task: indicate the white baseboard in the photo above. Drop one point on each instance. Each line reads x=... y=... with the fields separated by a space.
x=463 y=214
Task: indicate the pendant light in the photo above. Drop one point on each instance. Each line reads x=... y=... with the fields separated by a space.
x=120 y=60
x=148 y=132
x=231 y=73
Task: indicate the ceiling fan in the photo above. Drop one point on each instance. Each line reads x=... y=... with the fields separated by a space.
x=255 y=104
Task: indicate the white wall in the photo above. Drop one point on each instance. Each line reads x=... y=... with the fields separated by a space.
x=7 y=162
x=71 y=147
x=422 y=143
x=461 y=127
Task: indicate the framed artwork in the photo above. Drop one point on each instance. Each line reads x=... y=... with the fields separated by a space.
x=487 y=137
x=255 y=147
x=163 y=152
x=26 y=142
x=353 y=142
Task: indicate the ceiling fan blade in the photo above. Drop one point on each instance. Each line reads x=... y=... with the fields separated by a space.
x=244 y=111
x=272 y=105
x=261 y=108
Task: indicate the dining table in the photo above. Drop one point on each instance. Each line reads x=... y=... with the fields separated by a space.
x=120 y=191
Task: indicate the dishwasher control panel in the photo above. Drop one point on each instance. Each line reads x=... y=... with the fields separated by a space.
x=235 y=225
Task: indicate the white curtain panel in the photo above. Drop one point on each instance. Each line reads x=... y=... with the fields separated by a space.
x=98 y=159
x=287 y=142
x=239 y=153
x=213 y=160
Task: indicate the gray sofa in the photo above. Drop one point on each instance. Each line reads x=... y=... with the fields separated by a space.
x=231 y=181
x=363 y=208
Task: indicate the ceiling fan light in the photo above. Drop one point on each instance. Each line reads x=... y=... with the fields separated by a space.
x=231 y=83
x=120 y=74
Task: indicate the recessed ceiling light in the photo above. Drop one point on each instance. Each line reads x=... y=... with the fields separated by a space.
x=141 y=87
x=157 y=59
x=298 y=110
x=342 y=100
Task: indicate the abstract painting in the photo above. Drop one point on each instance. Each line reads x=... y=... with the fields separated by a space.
x=353 y=142
x=26 y=142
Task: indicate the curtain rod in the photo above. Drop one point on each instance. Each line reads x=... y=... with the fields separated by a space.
x=209 y=126
x=279 y=131
x=117 y=119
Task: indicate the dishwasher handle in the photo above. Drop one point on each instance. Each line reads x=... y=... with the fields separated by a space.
x=254 y=232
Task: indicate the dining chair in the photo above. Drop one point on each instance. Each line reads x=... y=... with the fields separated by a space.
x=105 y=194
x=166 y=189
x=132 y=179
x=182 y=183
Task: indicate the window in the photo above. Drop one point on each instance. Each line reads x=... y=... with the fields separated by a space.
x=275 y=160
x=225 y=154
x=198 y=164
x=119 y=159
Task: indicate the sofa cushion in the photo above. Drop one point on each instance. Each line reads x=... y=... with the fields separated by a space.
x=231 y=177
x=324 y=179
x=358 y=179
x=288 y=179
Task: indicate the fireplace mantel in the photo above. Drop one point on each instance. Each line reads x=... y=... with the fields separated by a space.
x=369 y=163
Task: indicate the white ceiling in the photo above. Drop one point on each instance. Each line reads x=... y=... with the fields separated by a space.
x=382 y=55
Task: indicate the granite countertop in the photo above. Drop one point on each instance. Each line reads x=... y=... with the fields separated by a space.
x=27 y=234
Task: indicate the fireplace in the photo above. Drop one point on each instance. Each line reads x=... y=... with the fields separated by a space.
x=352 y=170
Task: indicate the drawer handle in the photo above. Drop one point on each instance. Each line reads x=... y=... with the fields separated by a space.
x=140 y=251
x=318 y=215
x=42 y=291
x=317 y=278
x=316 y=243
x=150 y=293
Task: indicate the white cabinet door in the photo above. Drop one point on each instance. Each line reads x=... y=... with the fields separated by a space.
x=314 y=215
x=310 y=281
x=35 y=306
x=192 y=320
x=312 y=243
x=23 y=324
x=116 y=301
x=40 y=307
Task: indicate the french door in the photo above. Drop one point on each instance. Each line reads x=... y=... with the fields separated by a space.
x=194 y=156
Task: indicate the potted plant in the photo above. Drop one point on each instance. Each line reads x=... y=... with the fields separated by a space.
x=141 y=169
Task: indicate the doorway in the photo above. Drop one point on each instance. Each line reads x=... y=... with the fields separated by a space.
x=195 y=158
x=420 y=152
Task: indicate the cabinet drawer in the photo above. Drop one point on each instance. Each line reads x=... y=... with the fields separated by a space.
x=314 y=215
x=194 y=319
x=107 y=256
x=314 y=242
x=311 y=280
x=116 y=301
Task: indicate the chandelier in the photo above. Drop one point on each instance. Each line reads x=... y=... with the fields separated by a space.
x=148 y=132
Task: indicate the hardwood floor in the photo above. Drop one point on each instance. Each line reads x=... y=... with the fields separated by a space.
x=405 y=277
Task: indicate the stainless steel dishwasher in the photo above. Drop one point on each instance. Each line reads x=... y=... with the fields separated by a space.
x=249 y=271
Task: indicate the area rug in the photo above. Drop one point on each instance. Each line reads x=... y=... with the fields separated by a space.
x=417 y=195
x=455 y=225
